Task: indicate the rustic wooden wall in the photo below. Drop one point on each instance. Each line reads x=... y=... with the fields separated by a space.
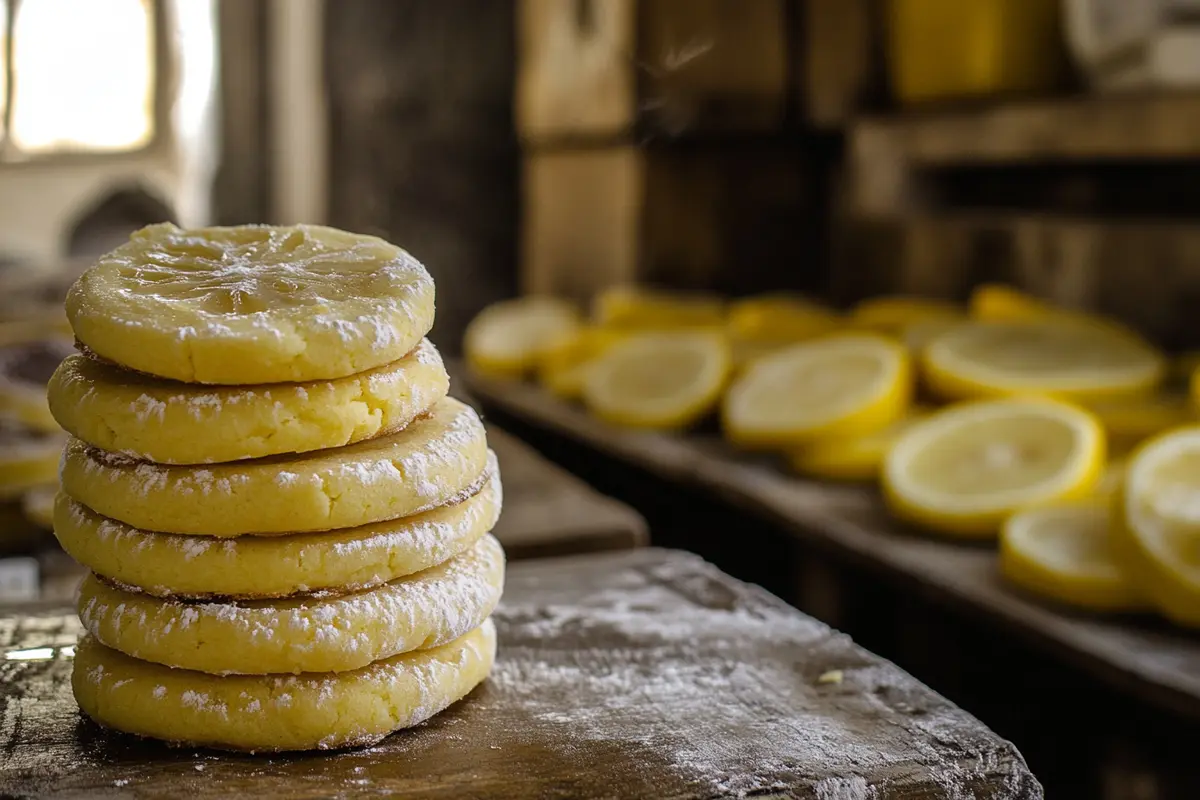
x=422 y=143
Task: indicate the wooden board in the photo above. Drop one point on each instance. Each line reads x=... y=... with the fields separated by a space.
x=548 y=511
x=703 y=216
x=641 y=674
x=602 y=70
x=1147 y=658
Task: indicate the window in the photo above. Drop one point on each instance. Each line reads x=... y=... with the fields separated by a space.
x=80 y=76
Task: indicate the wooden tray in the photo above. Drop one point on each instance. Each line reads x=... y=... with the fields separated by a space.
x=1144 y=656
x=641 y=674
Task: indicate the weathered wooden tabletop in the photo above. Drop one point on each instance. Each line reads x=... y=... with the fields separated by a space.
x=642 y=674
x=1143 y=656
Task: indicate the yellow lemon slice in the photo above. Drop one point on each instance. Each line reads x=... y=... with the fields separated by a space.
x=1129 y=421
x=270 y=713
x=647 y=309
x=302 y=634
x=254 y=567
x=26 y=365
x=850 y=458
x=176 y=423
x=438 y=459
x=833 y=387
x=891 y=315
x=1064 y=552
x=1053 y=357
x=963 y=469
x=252 y=304
x=1158 y=523
x=28 y=458
x=563 y=370
x=995 y=302
x=658 y=380
x=509 y=338
x=782 y=318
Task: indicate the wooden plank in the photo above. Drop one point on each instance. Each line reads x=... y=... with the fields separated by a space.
x=1079 y=262
x=641 y=674
x=1146 y=658
x=548 y=511
x=702 y=216
x=602 y=70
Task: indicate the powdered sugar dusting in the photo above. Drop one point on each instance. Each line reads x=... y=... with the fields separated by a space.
x=305 y=635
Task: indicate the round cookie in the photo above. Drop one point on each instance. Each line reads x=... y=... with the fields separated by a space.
x=435 y=460
x=272 y=713
x=300 y=634
x=250 y=567
x=252 y=304
x=26 y=364
x=28 y=458
x=173 y=423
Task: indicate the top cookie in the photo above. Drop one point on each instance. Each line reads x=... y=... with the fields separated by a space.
x=252 y=304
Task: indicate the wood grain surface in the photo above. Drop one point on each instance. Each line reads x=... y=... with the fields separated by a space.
x=641 y=674
x=1146 y=657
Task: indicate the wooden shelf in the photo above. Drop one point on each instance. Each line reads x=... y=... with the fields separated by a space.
x=1143 y=657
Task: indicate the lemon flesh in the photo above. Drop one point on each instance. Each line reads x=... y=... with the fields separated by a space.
x=963 y=469
x=1158 y=524
x=510 y=338
x=252 y=304
x=1053 y=357
x=658 y=380
x=1064 y=552
x=837 y=386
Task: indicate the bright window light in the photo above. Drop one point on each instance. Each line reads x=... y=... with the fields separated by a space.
x=83 y=75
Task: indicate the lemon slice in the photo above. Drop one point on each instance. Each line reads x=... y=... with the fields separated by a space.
x=892 y=314
x=846 y=385
x=1158 y=523
x=995 y=302
x=780 y=318
x=646 y=309
x=563 y=369
x=658 y=380
x=850 y=458
x=28 y=458
x=963 y=469
x=917 y=335
x=1131 y=420
x=1054 y=357
x=509 y=338
x=252 y=304
x=26 y=365
x=1064 y=552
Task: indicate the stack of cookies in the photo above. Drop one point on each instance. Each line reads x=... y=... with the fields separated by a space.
x=286 y=517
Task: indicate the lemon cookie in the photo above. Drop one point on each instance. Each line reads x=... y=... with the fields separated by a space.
x=28 y=458
x=25 y=367
x=252 y=304
x=300 y=634
x=248 y=567
x=173 y=423
x=438 y=458
x=273 y=713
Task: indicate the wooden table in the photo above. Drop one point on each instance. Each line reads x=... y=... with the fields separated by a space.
x=1158 y=663
x=642 y=674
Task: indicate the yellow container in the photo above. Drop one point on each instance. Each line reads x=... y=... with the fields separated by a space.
x=955 y=49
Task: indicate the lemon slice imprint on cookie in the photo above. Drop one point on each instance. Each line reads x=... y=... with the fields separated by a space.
x=252 y=304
